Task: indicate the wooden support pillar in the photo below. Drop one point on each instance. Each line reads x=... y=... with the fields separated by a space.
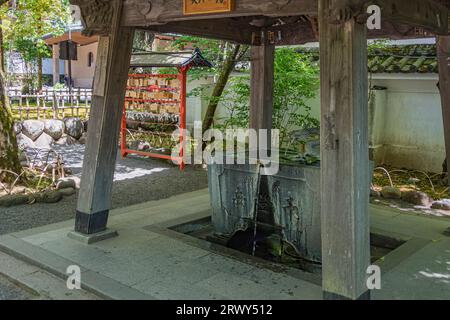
x=261 y=86
x=443 y=51
x=56 y=70
x=344 y=156
x=113 y=58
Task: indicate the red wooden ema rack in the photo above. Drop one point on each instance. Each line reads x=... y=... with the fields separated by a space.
x=181 y=61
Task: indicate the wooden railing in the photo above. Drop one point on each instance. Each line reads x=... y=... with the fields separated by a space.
x=50 y=104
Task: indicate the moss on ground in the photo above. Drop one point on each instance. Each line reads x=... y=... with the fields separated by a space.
x=428 y=182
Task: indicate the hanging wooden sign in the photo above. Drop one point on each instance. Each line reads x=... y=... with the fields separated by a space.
x=207 y=6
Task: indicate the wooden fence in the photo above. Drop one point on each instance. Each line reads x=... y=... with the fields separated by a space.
x=50 y=104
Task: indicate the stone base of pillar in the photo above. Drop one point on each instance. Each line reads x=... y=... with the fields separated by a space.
x=92 y=238
x=90 y=223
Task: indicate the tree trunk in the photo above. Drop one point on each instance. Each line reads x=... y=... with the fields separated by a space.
x=9 y=152
x=228 y=67
x=39 y=82
x=2 y=54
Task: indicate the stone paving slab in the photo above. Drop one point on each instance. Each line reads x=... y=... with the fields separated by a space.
x=32 y=283
x=148 y=261
x=424 y=275
x=98 y=284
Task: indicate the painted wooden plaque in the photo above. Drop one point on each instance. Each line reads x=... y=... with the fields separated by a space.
x=207 y=6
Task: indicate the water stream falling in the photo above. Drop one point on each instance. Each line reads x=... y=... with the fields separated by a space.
x=255 y=218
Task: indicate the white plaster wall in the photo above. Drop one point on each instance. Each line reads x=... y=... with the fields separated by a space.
x=82 y=74
x=411 y=132
x=407 y=122
x=195 y=106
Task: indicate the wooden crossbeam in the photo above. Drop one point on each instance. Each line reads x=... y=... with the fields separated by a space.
x=225 y=29
x=427 y=14
x=241 y=32
x=144 y=13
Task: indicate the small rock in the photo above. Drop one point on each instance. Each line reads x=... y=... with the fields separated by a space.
x=65 y=140
x=24 y=142
x=32 y=128
x=49 y=196
x=143 y=146
x=391 y=193
x=18 y=190
x=417 y=198
x=54 y=128
x=17 y=128
x=74 y=127
x=61 y=141
x=71 y=141
x=447 y=232
x=66 y=192
x=14 y=200
x=83 y=139
x=375 y=193
x=44 y=141
x=64 y=184
x=441 y=205
x=75 y=182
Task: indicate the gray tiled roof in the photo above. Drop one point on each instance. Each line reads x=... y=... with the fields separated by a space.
x=404 y=59
x=397 y=58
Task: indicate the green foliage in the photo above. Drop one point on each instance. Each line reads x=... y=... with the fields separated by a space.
x=214 y=51
x=29 y=21
x=296 y=80
x=25 y=24
x=143 y=41
x=167 y=70
x=59 y=86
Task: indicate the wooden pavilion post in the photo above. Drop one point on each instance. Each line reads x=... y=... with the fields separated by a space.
x=261 y=86
x=443 y=51
x=344 y=154
x=113 y=58
x=55 y=58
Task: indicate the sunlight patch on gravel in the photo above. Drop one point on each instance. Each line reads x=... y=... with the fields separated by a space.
x=125 y=168
x=124 y=172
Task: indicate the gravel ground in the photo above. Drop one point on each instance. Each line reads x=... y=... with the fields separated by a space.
x=137 y=180
x=10 y=291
